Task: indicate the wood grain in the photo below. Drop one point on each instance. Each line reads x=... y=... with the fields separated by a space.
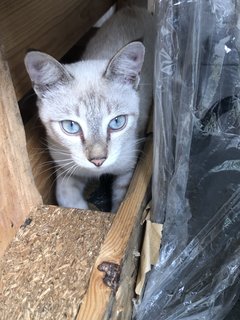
x=97 y=302
x=18 y=194
x=50 y=26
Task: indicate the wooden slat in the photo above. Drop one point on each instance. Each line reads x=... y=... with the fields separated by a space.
x=18 y=193
x=51 y=26
x=99 y=298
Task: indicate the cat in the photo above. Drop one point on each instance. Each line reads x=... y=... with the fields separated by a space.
x=96 y=109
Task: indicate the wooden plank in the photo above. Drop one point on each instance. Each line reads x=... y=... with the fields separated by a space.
x=44 y=273
x=102 y=287
x=51 y=26
x=18 y=193
x=121 y=305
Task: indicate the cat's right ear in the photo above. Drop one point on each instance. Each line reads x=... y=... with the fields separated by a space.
x=126 y=65
x=44 y=71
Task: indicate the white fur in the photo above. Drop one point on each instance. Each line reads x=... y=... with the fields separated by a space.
x=92 y=92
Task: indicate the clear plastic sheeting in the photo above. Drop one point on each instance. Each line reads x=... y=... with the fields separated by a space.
x=196 y=180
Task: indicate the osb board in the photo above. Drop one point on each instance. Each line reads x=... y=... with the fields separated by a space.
x=52 y=26
x=45 y=272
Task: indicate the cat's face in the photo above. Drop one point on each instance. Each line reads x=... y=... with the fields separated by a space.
x=90 y=109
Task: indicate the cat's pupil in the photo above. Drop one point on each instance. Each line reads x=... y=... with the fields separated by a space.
x=70 y=127
x=118 y=122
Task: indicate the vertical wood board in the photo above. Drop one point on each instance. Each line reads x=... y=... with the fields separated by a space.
x=18 y=193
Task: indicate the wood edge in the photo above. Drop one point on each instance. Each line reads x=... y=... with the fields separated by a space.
x=114 y=248
x=19 y=193
x=122 y=303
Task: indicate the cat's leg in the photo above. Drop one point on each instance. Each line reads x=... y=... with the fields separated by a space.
x=69 y=192
x=120 y=186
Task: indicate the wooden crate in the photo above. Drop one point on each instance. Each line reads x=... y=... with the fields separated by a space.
x=33 y=234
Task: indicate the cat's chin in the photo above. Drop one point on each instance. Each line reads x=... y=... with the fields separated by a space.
x=93 y=171
x=89 y=170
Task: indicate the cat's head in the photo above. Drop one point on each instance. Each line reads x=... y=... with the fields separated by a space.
x=90 y=108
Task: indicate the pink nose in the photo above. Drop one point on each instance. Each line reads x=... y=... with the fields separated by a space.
x=98 y=162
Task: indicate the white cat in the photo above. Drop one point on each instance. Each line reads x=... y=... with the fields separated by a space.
x=95 y=110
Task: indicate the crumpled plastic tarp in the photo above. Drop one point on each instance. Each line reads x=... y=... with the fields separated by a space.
x=196 y=179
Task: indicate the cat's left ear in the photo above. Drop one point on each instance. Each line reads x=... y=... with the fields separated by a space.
x=126 y=65
x=45 y=71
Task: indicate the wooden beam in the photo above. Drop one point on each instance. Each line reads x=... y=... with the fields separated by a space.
x=18 y=194
x=51 y=26
x=114 y=254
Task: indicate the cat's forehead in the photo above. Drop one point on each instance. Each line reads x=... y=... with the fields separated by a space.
x=87 y=73
x=94 y=103
x=93 y=97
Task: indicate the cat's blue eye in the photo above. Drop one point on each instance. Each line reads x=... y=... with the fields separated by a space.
x=70 y=127
x=118 y=122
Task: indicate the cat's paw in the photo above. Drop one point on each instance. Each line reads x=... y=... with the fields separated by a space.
x=69 y=193
x=115 y=207
x=80 y=204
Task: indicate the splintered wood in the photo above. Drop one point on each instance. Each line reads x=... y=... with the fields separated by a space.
x=45 y=271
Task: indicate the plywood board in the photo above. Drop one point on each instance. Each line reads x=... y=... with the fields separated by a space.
x=50 y=26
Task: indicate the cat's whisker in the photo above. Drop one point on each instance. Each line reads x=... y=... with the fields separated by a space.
x=52 y=170
x=37 y=151
x=61 y=174
x=54 y=166
x=66 y=169
x=60 y=171
x=55 y=162
x=58 y=150
x=64 y=153
x=67 y=173
x=50 y=165
x=55 y=148
x=71 y=171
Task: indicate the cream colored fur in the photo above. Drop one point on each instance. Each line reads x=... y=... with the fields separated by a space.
x=111 y=80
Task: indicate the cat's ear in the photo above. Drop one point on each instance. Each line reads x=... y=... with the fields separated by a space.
x=126 y=65
x=44 y=71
